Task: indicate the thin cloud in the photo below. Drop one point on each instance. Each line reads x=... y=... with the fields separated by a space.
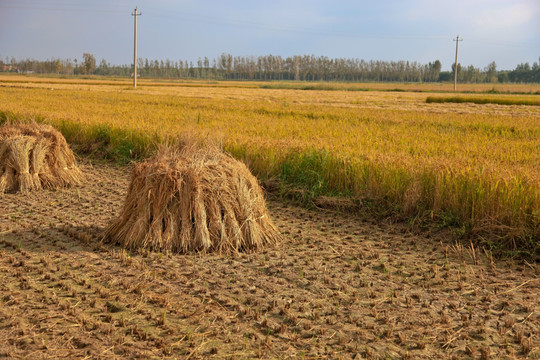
x=513 y=15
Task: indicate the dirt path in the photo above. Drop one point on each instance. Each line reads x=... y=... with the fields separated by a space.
x=337 y=288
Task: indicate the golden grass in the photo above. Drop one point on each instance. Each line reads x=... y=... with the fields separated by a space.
x=475 y=166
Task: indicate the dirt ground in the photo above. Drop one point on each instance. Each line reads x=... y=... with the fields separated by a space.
x=338 y=287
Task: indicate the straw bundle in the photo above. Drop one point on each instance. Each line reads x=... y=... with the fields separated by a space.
x=188 y=198
x=35 y=156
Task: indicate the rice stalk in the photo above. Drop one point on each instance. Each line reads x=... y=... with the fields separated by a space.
x=189 y=198
x=19 y=160
x=33 y=156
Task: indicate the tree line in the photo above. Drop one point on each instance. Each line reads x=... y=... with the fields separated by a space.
x=271 y=67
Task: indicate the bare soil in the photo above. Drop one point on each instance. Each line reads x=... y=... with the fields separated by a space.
x=338 y=287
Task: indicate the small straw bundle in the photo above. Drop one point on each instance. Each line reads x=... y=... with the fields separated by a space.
x=35 y=156
x=189 y=198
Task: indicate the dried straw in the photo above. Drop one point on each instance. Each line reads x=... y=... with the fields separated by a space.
x=189 y=198
x=33 y=156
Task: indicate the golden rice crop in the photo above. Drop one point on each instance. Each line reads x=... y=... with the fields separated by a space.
x=475 y=166
x=500 y=100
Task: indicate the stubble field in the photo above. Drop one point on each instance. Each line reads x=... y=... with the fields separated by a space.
x=343 y=284
x=338 y=287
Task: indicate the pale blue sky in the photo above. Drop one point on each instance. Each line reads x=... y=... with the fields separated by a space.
x=504 y=31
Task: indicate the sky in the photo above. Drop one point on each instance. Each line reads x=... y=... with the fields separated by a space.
x=504 y=31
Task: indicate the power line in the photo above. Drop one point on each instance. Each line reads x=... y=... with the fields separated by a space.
x=241 y=23
x=197 y=18
x=503 y=43
x=61 y=9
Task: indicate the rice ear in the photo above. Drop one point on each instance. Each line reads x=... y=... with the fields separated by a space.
x=193 y=198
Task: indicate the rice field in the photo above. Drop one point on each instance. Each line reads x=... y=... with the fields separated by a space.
x=344 y=284
x=473 y=167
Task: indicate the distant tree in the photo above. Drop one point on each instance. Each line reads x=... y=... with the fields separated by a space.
x=57 y=66
x=76 y=68
x=200 y=67
x=146 y=67
x=535 y=77
x=274 y=67
x=191 y=70
x=89 y=64
x=446 y=76
x=103 y=67
x=522 y=73
x=491 y=72
x=67 y=67
x=436 y=70
x=503 y=77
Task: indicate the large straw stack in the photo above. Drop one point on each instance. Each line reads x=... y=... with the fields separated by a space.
x=190 y=198
x=35 y=156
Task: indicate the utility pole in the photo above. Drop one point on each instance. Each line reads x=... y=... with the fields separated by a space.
x=457 y=40
x=135 y=14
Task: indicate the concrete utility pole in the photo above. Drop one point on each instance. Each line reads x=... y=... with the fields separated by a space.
x=135 y=14
x=457 y=40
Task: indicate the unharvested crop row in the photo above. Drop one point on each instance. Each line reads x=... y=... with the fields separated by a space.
x=529 y=100
x=479 y=172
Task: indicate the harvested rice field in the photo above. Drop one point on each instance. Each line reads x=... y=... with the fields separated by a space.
x=338 y=287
